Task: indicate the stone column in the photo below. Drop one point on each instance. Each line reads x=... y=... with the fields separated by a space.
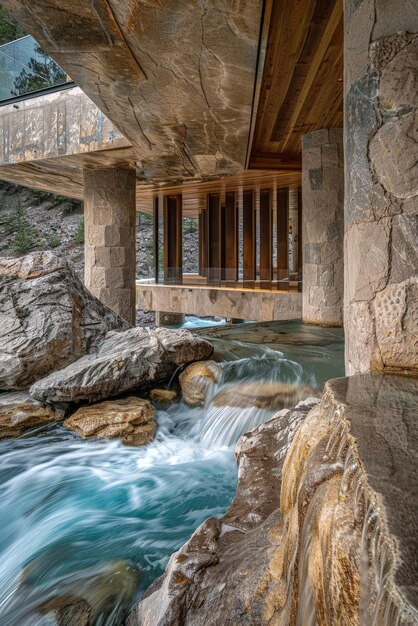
x=162 y=318
x=381 y=198
x=109 y=219
x=323 y=226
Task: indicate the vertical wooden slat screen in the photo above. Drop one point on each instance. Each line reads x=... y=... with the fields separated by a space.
x=223 y=243
x=282 y=235
x=173 y=240
x=231 y=239
x=300 y=242
x=266 y=239
x=249 y=244
x=155 y=226
x=214 y=235
x=204 y=242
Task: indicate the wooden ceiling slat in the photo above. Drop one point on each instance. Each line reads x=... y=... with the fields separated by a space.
x=301 y=89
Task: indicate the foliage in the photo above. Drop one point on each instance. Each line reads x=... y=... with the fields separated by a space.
x=144 y=219
x=160 y=257
x=79 y=237
x=54 y=240
x=24 y=238
x=189 y=225
x=43 y=72
x=36 y=196
x=9 y=28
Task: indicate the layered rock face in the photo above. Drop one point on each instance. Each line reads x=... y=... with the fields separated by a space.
x=340 y=549
x=381 y=191
x=47 y=318
x=121 y=362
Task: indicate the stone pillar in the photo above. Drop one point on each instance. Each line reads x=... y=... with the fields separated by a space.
x=109 y=219
x=162 y=318
x=323 y=226
x=381 y=197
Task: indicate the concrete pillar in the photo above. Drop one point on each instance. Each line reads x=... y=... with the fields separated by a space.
x=323 y=225
x=381 y=198
x=109 y=220
x=162 y=318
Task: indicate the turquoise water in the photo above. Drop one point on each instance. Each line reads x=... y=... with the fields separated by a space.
x=70 y=508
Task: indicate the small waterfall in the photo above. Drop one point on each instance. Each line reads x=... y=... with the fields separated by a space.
x=77 y=514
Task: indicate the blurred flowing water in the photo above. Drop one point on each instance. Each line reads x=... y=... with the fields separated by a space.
x=74 y=512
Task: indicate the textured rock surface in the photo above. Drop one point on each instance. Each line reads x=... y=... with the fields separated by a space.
x=196 y=379
x=121 y=362
x=109 y=217
x=105 y=597
x=381 y=201
x=19 y=412
x=171 y=76
x=323 y=227
x=267 y=395
x=340 y=549
x=47 y=318
x=226 y=552
x=131 y=419
x=163 y=396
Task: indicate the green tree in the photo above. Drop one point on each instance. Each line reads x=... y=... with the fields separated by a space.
x=9 y=28
x=79 y=237
x=54 y=240
x=24 y=238
x=41 y=72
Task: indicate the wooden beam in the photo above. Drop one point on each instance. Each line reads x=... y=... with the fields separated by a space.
x=156 y=230
x=203 y=242
x=173 y=240
x=231 y=238
x=223 y=243
x=282 y=234
x=272 y=161
x=215 y=239
x=249 y=237
x=300 y=242
x=266 y=239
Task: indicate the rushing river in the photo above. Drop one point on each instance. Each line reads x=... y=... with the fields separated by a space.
x=71 y=510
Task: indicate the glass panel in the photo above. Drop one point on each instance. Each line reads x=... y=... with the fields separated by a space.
x=25 y=68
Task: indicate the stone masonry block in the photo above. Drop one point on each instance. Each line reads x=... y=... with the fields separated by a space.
x=329 y=155
x=316 y=178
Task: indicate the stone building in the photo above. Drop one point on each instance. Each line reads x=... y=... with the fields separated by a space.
x=249 y=117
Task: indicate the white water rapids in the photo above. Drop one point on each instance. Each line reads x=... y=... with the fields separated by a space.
x=71 y=511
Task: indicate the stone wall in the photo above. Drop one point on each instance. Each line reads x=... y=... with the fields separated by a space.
x=381 y=198
x=244 y=304
x=323 y=218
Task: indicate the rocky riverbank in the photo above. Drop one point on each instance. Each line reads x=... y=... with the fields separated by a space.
x=323 y=527
x=60 y=341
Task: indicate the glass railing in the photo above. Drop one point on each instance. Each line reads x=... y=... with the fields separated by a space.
x=280 y=280
x=25 y=68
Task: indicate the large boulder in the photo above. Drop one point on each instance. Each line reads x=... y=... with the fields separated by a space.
x=131 y=419
x=19 y=412
x=196 y=379
x=48 y=319
x=263 y=395
x=103 y=597
x=123 y=361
